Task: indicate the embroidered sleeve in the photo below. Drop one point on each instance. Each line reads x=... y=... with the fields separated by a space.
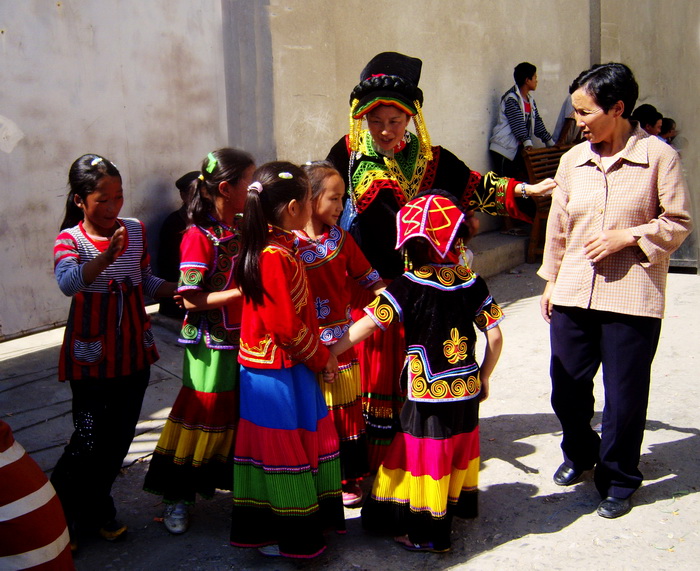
x=493 y=195
x=384 y=310
x=488 y=315
x=284 y=280
x=196 y=258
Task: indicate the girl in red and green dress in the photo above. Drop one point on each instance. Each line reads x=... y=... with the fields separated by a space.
x=194 y=454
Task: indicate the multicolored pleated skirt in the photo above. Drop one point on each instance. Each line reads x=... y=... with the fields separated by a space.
x=381 y=358
x=286 y=484
x=429 y=474
x=344 y=400
x=194 y=454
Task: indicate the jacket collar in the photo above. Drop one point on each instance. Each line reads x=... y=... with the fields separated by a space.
x=636 y=150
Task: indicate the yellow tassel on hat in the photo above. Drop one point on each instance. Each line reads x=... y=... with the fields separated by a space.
x=355 y=127
x=422 y=132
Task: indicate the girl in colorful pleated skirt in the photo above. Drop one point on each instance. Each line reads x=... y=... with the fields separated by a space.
x=430 y=472
x=286 y=482
x=194 y=454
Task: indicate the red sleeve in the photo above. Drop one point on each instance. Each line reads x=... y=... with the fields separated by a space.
x=285 y=312
x=196 y=255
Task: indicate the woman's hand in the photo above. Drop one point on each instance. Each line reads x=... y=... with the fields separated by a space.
x=606 y=243
x=543 y=188
x=546 y=302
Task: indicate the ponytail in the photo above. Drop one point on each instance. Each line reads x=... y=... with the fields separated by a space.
x=276 y=185
x=253 y=227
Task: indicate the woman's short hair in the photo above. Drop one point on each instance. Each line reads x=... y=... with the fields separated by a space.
x=609 y=83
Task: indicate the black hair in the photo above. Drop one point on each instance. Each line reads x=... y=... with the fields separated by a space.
x=522 y=72
x=646 y=114
x=609 y=83
x=83 y=176
x=222 y=165
x=388 y=83
x=184 y=182
x=667 y=125
x=418 y=250
x=317 y=172
x=281 y=183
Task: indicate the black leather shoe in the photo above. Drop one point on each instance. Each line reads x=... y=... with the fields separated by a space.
x=612 y=507
x=566 y=475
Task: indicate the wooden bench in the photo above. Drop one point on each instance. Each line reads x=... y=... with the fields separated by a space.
x=541 y=164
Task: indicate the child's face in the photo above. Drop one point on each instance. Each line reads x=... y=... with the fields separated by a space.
x=102 y=206
x=329 y=204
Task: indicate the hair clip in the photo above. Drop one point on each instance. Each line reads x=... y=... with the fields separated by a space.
x=211 y=165
x=96 y=161
x=201 y=177
x=285 y=175
x=256 y=186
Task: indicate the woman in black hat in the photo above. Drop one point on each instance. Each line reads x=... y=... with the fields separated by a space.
x=386 y=166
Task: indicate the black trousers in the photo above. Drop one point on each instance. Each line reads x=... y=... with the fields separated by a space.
x=581 y=341
x=105 y=413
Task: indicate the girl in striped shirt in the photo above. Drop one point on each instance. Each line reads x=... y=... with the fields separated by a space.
x=101 y=261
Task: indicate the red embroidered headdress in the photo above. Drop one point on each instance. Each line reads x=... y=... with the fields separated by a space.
x=432 y=217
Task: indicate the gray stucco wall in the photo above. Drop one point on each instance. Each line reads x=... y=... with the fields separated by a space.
x=140 y=82
x=155 y=85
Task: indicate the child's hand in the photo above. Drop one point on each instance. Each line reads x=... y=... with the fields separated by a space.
x=116 y=244
x=330 y=371
x=484 y=389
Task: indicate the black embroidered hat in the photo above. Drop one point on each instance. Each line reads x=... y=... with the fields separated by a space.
x=390 y=78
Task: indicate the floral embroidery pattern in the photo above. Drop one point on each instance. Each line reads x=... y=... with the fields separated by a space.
x=456 y=348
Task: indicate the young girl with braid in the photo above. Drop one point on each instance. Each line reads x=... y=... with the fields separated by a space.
x=194 y=454
x=286 y=475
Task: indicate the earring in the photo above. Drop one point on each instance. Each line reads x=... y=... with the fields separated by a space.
x=464 y=260
x=407 y=263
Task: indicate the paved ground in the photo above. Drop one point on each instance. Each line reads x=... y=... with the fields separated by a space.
x=526 y=521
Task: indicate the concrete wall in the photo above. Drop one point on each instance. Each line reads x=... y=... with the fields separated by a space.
x=140 y=82
x=468 y=48
x=660 y=41
x=155 y=85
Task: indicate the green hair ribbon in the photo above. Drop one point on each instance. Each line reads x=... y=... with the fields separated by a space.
x=211 y=165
